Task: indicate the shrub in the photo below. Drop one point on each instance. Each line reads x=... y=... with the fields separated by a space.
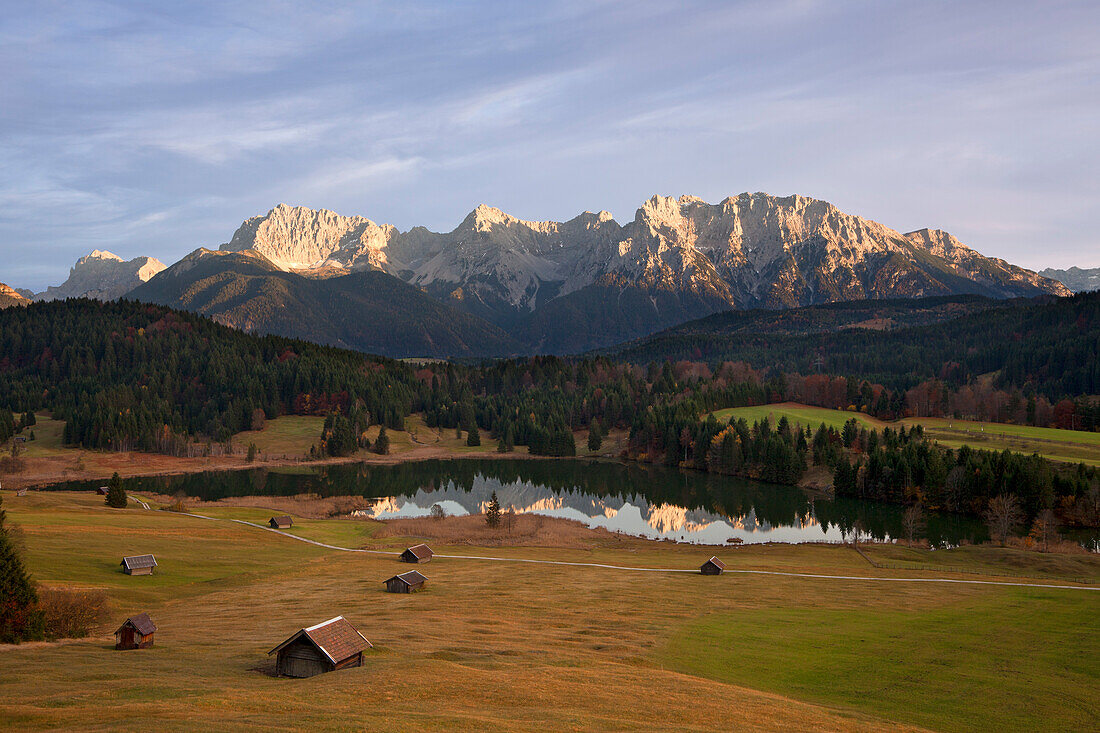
x=71 y=613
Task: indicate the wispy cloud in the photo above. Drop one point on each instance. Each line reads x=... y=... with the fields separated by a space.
x=155 y=128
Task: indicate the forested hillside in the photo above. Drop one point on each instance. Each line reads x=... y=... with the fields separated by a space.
x=129 y=375
x=368 y=311
x=1051 y=348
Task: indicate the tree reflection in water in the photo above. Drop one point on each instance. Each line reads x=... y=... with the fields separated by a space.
x=652 y=501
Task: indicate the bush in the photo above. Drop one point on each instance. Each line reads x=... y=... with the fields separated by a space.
x=71 y=613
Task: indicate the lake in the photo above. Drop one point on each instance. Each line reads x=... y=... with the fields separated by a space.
x=636 y=499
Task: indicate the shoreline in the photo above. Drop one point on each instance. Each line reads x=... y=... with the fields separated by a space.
x=135 y=464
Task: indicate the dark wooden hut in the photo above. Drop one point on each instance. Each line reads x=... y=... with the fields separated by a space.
x=326 y=647
x=135 y=633
x=406 y=582
x=138 y=564
x=283 y=522
x=101 y=491
x=713 y=566
x=417 y=553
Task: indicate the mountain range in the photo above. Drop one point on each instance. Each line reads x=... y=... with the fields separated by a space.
x=1077 y=279
x=564 y=287
x=366 y=310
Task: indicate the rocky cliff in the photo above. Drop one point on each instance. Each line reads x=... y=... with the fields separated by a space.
x=104 y=276
x=680 y=258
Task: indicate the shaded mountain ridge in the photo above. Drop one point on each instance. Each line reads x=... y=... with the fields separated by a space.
x=678 y=259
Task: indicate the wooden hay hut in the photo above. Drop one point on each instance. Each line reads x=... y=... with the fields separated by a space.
x=417 y=553
x=713 y=566
x=283 y=522
x=136 y=632
x=101 y=491
x=406 y=582
x=326 y=647
x=138 y=564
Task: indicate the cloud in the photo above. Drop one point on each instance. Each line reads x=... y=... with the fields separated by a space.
x=154 y=128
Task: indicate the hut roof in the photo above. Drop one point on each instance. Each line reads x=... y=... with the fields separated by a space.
x=141 y=623
x=284 y=519
x=716 y=563
x=336 y=638
x=139 y=561
x=421 y=551
x=412 y=577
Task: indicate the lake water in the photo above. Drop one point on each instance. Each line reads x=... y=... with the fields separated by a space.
x=641 y=500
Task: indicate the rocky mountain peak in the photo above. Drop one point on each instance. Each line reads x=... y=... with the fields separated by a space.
x=98 y=254
x=104 y=276
x=9 y=296
x=295 y=237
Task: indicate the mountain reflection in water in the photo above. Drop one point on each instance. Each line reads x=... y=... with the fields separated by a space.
x=639 y=500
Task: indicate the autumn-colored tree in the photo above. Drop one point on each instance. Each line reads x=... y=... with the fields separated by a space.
x=1002 y=516
x=912 y=521
x=1044 y=529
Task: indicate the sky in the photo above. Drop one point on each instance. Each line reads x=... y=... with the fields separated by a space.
x=153 y=128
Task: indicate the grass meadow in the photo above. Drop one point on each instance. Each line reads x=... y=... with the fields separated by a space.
x=524 y=647
x=1071 y=446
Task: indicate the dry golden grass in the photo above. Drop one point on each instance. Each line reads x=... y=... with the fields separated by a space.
x=302 y=505
x=511 y=646
x=528 y=530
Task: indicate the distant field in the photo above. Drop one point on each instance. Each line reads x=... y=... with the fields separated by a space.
x=290 y=435
x=797 y=413
x=47 y=438
x=524 y=647
x=1072 y=446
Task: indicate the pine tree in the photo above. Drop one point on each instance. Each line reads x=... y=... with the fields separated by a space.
x=492 y=513
x=473 y=438
x=251 y=452
x=116 y=495
x=382 y=442
x=595 y=436
x=19 y=620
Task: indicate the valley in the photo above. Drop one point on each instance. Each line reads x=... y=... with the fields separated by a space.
x=564 y=366
x=534 y=646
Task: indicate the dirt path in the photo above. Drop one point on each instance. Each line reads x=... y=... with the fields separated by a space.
x=958 y=581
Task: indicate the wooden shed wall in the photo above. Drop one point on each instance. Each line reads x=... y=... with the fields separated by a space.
x=302 y=659
x=129 y=638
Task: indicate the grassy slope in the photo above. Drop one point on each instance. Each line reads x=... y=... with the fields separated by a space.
x=798 y=413
x=529 y=647
x=1073 y=446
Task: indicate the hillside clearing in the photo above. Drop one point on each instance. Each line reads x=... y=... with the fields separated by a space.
x=1070 y=446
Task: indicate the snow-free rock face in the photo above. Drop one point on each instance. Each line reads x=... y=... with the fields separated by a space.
x=104 y=276
x=1077 y=279
x=679 y=258
x=9 y=297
